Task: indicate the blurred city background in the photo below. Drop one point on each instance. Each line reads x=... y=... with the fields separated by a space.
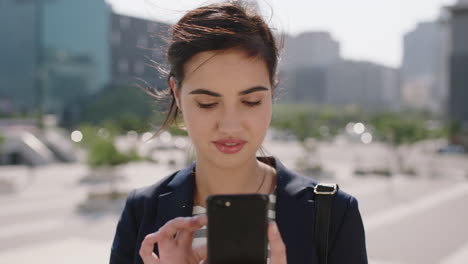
x=390 y=125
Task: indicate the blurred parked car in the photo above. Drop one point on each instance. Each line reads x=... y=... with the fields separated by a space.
x=451 y=148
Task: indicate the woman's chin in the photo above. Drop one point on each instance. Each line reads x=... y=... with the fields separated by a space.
x=229 y=161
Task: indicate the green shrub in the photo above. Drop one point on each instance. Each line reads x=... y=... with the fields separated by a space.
x=2 y=140
x=102 y=150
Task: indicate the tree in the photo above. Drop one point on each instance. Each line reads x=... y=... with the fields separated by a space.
x=103 y=156
x=2 y=140
x=307 y=120
x=397 y=129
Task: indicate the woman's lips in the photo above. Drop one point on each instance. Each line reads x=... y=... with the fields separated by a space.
x=229 y=146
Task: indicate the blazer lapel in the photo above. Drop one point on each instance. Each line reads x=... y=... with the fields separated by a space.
x=178 y=201
x=295 y=215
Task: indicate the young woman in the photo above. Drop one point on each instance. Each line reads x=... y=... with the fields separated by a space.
x=223 y=61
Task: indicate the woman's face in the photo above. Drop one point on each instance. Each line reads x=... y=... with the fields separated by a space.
x=226 y=100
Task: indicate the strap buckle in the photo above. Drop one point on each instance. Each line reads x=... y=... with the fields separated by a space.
x=326 y=188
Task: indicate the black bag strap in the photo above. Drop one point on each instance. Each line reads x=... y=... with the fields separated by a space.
x=324 y=194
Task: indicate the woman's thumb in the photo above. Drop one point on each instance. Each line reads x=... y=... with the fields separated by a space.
x=201 y=253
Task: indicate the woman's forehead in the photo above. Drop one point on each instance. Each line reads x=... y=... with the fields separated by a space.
x=225 y=70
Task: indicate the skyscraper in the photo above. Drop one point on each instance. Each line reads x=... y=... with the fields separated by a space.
x=424 y=62
x=65 y=42
x=305 y=62
x=134 y=42
x=371 y=86
x=79 y=28
x=458 y=95
x=310 y=49
x=18 y=54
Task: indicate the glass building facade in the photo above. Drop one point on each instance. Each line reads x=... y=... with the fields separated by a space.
x=458 y=104
x=18 y=53
x=73 y=38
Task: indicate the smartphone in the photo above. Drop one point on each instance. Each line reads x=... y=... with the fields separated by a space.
x=237 y=229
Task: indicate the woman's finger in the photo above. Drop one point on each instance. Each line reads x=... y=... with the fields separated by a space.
x=172 y=227
x=185 y=236
x=277 y=247
x=183 y=226
x=201 y=252
x=166 y=232
x=201 y=219
x=146 y=249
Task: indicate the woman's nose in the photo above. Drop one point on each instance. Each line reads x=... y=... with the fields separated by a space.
x=230 y=121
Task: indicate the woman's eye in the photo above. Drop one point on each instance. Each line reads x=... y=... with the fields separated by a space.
x=248 y=103
x=252 y=103
x=207 y=105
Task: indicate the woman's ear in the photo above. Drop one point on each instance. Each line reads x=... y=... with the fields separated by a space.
x=175 y=91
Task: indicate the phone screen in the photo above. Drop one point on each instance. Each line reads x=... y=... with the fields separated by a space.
x=237 y=229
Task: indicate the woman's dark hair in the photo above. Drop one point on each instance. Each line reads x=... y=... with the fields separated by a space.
x=214 y=27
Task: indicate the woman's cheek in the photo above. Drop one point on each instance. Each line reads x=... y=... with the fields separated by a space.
x=199 y=124
x=260 y=121
x=264 y=115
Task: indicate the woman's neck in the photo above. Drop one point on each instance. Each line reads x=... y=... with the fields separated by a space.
x=253 y=176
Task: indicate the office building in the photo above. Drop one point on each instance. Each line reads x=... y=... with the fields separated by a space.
x=136 y=46
x=368 y=85
x=18 y=55
x=424 y=83
x=305 y=62
x=458 y=76
x=310 y=49
x=45 y=42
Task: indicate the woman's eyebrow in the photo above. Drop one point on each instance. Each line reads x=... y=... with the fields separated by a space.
x=244 y=92
x=204 y=91
x=253 y=89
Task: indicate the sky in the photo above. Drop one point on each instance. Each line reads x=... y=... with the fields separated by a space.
x=369 y=30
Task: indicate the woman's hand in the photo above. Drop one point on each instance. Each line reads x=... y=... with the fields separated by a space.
x=277 y=247
x=178 y=249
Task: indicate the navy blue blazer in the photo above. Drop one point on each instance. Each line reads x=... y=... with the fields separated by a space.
x=149 y=208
